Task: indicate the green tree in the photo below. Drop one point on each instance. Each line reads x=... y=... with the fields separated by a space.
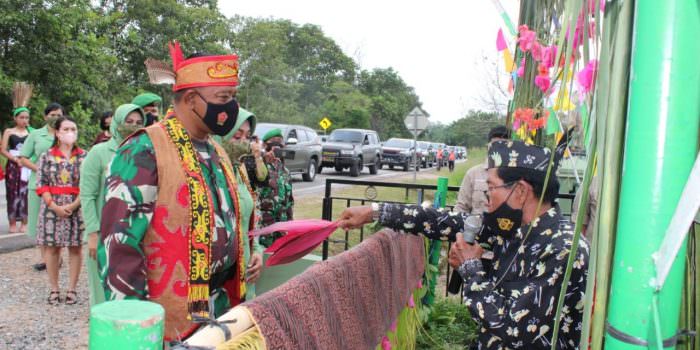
x=287 y=70
x=391 y=100
x=347 y=107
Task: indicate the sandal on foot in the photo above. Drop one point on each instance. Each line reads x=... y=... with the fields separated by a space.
x=71 y=297
x=54 y=297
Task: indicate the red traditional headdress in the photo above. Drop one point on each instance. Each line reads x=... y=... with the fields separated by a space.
x=221 y=70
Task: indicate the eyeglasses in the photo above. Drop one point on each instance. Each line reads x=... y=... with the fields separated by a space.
x=486 y=192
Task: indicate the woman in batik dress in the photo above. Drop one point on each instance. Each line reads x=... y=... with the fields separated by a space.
x=15 y=175
x=60 y=220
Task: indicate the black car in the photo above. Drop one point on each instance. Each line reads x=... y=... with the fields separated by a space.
x=352 y=149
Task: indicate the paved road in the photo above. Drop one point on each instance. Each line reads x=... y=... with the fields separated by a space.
x=302 y=188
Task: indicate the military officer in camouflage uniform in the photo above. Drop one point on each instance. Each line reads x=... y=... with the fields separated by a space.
x=276 y=200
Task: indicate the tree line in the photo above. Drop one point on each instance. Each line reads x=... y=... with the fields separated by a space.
x=88 y=55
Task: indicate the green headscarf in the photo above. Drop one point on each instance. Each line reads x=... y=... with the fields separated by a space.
x=146 y=99
x=237 y=149
x=243 y=115
x=119 y=118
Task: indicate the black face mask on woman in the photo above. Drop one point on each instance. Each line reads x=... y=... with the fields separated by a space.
x=219 y=118
x=505 y=218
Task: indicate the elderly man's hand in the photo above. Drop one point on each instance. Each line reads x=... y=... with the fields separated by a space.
x=462 y=251
x=355 y=217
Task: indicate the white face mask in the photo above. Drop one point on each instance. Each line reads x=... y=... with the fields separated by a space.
x=68 y=137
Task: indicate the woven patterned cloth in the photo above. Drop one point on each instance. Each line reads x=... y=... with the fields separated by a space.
x=346 y=302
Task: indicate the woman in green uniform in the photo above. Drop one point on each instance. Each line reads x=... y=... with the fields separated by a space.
x=238 y=146
x=126 y=119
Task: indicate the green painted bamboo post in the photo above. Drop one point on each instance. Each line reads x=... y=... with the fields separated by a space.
x=435 y=245
x=126 y=324
x=660 y=147
x=611 y=106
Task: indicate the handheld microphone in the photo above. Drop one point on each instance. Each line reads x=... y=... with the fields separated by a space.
x=472 y=226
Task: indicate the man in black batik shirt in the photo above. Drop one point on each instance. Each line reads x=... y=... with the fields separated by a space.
x=514 y=296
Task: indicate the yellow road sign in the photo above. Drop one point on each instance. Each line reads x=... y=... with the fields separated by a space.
x=325 y=123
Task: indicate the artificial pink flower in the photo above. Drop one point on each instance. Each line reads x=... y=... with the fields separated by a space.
x=393 y=325
x=411 y=303
x=521 y=68
x=543 y=82
x=586 y=76
x=536 y=51
x=542 y=79
x=386 y=343
x=420 y=283
x=526 y=38
x=549 y=54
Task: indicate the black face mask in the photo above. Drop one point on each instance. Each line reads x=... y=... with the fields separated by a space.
x=219 y=118
x=150 y=119
x=505 y=218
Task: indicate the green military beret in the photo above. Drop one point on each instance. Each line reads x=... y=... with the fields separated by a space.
x=276 y=132
x=146 y=99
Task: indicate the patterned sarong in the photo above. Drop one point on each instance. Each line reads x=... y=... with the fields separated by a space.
x=346 y=302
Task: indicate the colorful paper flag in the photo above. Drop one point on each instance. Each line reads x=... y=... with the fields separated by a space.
x=584 y=119
x=501 y=41
x=553 y=125
x=563 y=102
x=508 y=61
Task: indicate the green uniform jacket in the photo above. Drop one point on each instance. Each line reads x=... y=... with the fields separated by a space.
x=93 y=175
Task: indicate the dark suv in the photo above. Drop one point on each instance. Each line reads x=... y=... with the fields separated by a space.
x=302 y=150
x=425 y=154
x=353 y=149
x=399 y=152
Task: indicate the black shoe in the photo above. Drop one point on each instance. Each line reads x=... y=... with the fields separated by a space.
x=39 y=267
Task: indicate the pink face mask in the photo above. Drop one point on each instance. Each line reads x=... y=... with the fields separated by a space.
x=68 y=137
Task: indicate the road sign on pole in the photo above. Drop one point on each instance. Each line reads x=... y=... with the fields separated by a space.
x=416 y=122
x=325 y=123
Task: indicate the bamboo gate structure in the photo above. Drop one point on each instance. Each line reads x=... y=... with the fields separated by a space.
x=637 y=115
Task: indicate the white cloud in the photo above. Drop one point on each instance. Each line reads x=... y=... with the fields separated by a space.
x=435 y=46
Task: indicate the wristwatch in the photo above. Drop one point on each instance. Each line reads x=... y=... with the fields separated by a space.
x=375 y=211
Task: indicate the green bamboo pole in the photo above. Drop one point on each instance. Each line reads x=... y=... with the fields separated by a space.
x=611 y=106
x=435 y=245
x=599 y=114
x=663 y=117
x=126 y=324
x=696 y=277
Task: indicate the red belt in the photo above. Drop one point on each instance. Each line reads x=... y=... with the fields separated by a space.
x=58 y=190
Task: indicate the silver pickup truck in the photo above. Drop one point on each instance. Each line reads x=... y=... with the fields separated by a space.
x=302 y=150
